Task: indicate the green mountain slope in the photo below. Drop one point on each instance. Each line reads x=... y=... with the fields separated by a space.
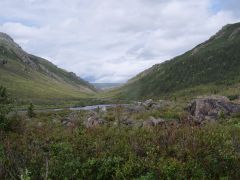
x=30 y=77
x=105 y=86
x=214 y=63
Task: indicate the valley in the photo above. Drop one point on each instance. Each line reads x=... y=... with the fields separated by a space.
x=177 y=120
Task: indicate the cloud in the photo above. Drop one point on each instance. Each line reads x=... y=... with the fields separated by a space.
x=109 y=40
x=229 y=5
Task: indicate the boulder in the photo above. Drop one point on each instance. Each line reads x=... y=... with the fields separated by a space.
x=156 y=106
x=65 y=121
x=212 y=107
x=103 y=109
x=137 y=124
x=148 y=124
x=70 y=120
x=73 y=116
x=134 y=108
x=159 y=122
x=148 y=103
x=127 y=122
x=152 y=122
x=93 y=122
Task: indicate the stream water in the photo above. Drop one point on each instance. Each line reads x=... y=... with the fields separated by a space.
x=86 y=108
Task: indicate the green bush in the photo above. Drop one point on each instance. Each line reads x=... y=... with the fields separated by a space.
x=30 y=111
x=233 y=97
x=46 y=148
x=5 y=108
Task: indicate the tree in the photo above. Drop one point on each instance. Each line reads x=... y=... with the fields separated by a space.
x=5 y=107
x=31 y=111
x=3 y=61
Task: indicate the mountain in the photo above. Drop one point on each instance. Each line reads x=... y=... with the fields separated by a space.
x=30 y=77
x=211 y=66
x=105 y=86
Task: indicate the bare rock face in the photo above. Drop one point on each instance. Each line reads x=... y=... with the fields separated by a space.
x=19 y=52
x=212 y=107
x=5 y=37
x=234 y=34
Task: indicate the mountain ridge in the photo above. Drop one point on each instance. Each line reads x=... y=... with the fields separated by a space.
x=33 y=77
x=215 y=61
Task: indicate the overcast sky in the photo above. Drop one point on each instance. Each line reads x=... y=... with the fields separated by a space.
x=113 y=40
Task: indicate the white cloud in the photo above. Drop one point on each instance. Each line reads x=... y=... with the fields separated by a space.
x=109 y=40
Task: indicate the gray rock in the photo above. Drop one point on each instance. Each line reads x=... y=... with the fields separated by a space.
x=70 y=124
x=73 y=116
x=103 y=109
x=93 y=122
x=148 y=124
x=39 y=124
x=156 y=106
x=137 y=124
x=9 y=44
x=55 y=120
x=152 y=122
x=212 y=107
x=127 y=122
x=70 y=120
x=148 y=103
x=159 y=122
x=64 y=121
x=135 y=108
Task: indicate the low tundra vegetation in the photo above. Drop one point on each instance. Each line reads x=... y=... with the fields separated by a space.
x=48 y=146
x=43 y=148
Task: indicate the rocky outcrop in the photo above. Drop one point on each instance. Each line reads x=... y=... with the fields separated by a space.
x=10 y=45
x=4 y=36
x=74 y=119
x=212 y=107
x=146 y=105
x=234 y=34
x=71 y=120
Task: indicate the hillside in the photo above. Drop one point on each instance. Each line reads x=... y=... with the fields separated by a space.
x=211 y=66
x=105 y=86
x=29 y=77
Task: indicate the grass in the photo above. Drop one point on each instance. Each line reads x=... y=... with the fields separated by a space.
x=43 y=89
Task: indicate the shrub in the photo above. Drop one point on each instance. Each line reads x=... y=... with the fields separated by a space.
x=30 y=111
x=5 y=108
x=233 y=97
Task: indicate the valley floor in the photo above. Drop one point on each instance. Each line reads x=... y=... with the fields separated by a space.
x=149 y=140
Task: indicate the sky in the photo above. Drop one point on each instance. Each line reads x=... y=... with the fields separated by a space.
x=113 y=40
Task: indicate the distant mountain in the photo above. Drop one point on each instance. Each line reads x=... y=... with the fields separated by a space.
x=30 y=77
x=214 y=63
x=104 y=86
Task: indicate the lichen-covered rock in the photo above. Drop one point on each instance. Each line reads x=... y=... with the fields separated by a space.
x=71 y=120
x=135 y=108
x=152 y=122
x=212 y=107
x=148 y=103
x=148 y=124
x=93 y=122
